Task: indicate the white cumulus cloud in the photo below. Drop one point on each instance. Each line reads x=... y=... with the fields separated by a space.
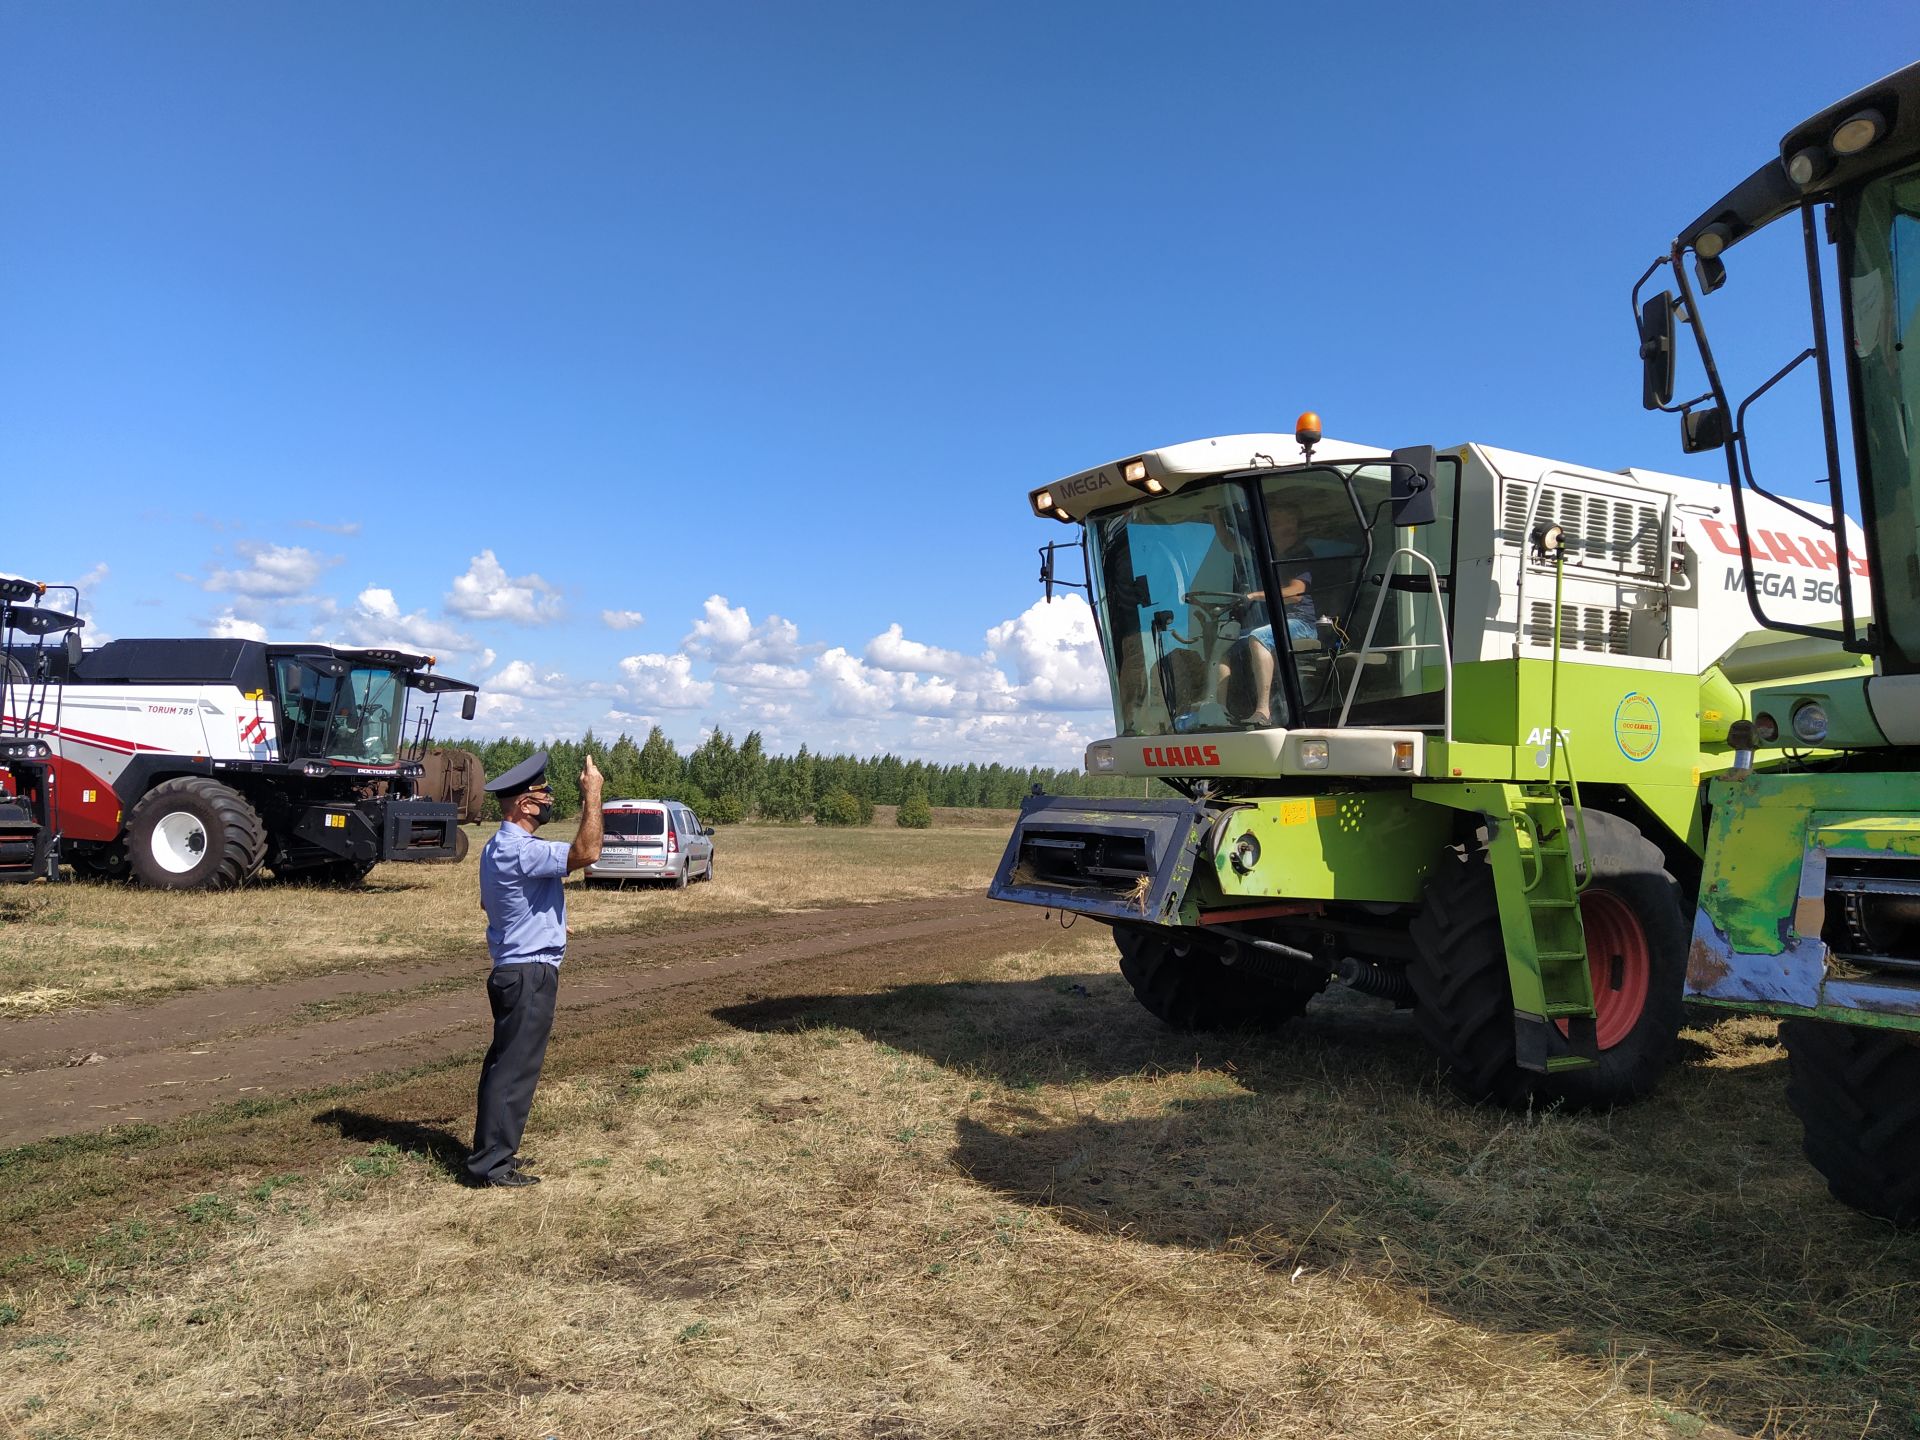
x=892 y=650
x=228 y=626
x=487 y=592
x=665 y=681
x=517 y=677
x=761 y=676
x=1055 y=655
x=271 y=571
x=376 y=619
x=728 y=633
x=621 y=619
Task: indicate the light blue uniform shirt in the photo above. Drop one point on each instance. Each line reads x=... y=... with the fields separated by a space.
x=521 y=892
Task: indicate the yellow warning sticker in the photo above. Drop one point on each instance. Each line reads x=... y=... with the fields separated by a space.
x=337 y=822
x=1305 y=812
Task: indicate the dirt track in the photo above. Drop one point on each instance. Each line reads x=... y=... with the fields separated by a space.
x=84 y=1070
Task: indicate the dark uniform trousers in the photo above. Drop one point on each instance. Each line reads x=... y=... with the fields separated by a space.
x=522 y=997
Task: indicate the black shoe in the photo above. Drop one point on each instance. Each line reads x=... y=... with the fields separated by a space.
x=511 y=1179
x=523 y=1162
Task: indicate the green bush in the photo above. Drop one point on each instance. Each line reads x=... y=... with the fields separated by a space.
x=840 y=807
x=724 y=810
x=914 y=813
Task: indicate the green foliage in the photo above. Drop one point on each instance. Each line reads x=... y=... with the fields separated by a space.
x=725 y=783
x=914 y=813
x=838 y=807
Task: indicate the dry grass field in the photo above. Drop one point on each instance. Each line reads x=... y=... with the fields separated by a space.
x=1000 y=1201
x=78 y=942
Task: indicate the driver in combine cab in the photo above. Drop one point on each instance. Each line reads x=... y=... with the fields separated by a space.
x=1247 y=678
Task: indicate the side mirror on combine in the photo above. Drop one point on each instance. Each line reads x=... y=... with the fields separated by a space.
x=1656 y=351
x=1703 y=430
x=75 y=649
x=1410 y=486
x=467 y=705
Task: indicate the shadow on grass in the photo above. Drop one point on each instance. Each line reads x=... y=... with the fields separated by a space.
x=1683 y=1240
x=442 y=1148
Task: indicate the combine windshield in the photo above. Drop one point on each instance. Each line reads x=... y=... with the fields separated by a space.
x=336 y=712
x=1885 y=293
x=1210 y=600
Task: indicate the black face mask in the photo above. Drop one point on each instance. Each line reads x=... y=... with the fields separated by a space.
x=543 y=814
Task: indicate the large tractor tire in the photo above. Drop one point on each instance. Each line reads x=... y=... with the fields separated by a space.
x=1856 y=1090
x=1636 y=954
x=194 y=834
x=1195 y=991
x=461 y=844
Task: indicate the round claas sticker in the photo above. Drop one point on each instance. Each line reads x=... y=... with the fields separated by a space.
x=1636 y=726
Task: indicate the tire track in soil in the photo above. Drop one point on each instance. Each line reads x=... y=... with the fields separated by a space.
x=160 y=1061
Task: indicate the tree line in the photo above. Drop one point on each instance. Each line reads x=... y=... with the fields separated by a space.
x=725 y=783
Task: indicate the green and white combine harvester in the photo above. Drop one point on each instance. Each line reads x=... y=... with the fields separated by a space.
x=1456 y=760
x=1809 y=904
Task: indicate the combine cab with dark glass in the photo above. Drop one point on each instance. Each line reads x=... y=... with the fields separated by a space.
x=1431 y=725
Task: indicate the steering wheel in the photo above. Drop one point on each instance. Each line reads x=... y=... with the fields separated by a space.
x=1215 y=606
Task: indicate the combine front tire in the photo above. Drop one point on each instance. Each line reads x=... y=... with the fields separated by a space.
x=1463 y=1002
x=1636 y=955
x=1194 y=991
x=194 y=834
x=1856 y=1090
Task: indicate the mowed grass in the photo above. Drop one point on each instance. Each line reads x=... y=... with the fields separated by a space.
x=1009 y=1204
x=83 y=941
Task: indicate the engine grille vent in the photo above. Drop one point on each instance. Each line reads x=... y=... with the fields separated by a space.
x=1598 y=628
x=1617 y=535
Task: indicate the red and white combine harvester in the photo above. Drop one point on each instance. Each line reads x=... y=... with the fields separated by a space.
x=195 y=764
x=30 y=631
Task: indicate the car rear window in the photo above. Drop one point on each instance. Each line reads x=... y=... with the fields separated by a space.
x=635 y=822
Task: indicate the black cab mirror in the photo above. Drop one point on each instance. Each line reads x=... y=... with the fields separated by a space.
x=1410 y=486
x=468 y=703
x=1656 y=351
x=1703 y=430
x=75 y=648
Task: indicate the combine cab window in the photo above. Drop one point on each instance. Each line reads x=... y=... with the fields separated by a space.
x=1180 y=597
x=352 y=716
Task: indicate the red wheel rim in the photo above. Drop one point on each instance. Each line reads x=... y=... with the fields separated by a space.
x=1618 y=962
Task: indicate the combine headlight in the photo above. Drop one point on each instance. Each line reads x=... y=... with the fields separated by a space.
x=1711 y=241
x=1766 y=729
x=1810 y=721
x=314 y=770
x=1134 y=472
x=1042 y=503
x=1807 y=166
x=1099 y=758
x=1314 y=755
x=1857 y=132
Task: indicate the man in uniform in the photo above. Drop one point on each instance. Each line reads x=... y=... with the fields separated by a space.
x=527 y=936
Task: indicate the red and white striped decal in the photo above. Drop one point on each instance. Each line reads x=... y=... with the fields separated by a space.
x=253 y=730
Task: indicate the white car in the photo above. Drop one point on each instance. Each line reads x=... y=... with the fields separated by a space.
x=655 y=840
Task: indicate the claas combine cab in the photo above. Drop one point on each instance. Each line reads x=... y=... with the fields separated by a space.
x=1429 y=725
x=1809 y=905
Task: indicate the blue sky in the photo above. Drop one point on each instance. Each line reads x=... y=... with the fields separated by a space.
x=691 y=364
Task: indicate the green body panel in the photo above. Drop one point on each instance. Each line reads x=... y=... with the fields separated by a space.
x=1618 y=725
x=1757 y=934
x=1537 y=891
x=1368 y=846
x=1850 y=722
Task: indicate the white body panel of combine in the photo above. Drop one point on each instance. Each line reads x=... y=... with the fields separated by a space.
x=104 y=726
x=1652 y=577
